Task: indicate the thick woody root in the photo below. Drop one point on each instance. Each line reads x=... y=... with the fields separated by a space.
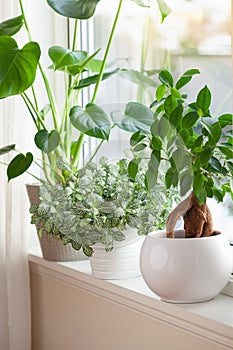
x=197 y=219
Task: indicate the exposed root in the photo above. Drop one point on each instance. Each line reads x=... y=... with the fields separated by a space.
x=197 y=219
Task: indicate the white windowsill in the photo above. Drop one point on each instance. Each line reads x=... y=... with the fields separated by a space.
x=211 y=320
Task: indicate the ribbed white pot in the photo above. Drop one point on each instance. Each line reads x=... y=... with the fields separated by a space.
x=185 y=270
x=122 y=262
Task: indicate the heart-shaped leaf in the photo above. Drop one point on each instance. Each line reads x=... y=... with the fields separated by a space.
x=19 y=165
x=63 y=57
x=137 y=117
x=11 y=26
x=47 y=142
x=17 y=63
x=81 y=9
x=92 y=121
x=6 y=149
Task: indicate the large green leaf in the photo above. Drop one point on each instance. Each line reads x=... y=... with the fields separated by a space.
x=19 y=165
x=137 y=77
x=137 y=117
x=17 y=67
x=93 y=79
x=63 y=57
x=6 y=149
x=47 y=142
x=92 y=121
x=81 y=9
x=72 y=61
x=11 y=26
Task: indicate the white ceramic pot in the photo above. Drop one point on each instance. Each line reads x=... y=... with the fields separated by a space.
x=185 y=270
x=122 y=262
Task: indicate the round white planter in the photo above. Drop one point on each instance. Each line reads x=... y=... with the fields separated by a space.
x=122 y=262
x=185 y=270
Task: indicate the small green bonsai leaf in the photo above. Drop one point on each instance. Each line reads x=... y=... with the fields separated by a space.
x=160 y=92
x=80 y=9
x=92 y=121
x=204 y=101
x=136 y=117
x=6 y=149
x=166 y=78
x=11 y=26
x=133 y=168
x=186 y=77
x=189 y=120
x=19 y=165
x=47 y=142
x=15 y=62
x=225 y=119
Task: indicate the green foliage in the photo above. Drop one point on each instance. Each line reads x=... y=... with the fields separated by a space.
x=15 y=62
x=99 y=203
x=19 y=68
x=186 y=143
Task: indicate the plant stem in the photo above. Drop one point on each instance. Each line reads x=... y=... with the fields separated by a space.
x=106 y=53
x=31 y=107
x=75 y=35
x=96 y=151
x=77 y=151
x=46 y=82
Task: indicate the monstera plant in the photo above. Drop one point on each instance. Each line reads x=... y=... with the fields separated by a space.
x=55 y=128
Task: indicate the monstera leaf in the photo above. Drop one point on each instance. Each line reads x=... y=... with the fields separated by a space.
x=92 y=121
x=81 y=9
x=19 y=165
x=47 y=142
x=136 y=117
x=17 y=66
x=11 y=26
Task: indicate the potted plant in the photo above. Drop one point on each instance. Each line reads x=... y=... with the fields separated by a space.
x=57 y=143
x=102 y=210
x=194 y=152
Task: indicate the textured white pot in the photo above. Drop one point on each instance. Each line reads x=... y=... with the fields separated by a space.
x=185 y=270
x=122 y=262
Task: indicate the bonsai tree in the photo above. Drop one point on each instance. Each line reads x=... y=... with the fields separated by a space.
x=57 y=141
x=191 y=147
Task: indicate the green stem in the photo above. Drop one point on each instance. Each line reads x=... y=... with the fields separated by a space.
x=77 y=151
x=31 y=107
x=96 y=151
x=75 y=35
x=46 y=82
x=106 y=53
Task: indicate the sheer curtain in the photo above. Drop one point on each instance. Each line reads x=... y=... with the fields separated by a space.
x=14 y=279
x=16 y=127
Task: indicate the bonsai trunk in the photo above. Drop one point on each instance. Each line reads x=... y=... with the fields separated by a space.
x=197 y=219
